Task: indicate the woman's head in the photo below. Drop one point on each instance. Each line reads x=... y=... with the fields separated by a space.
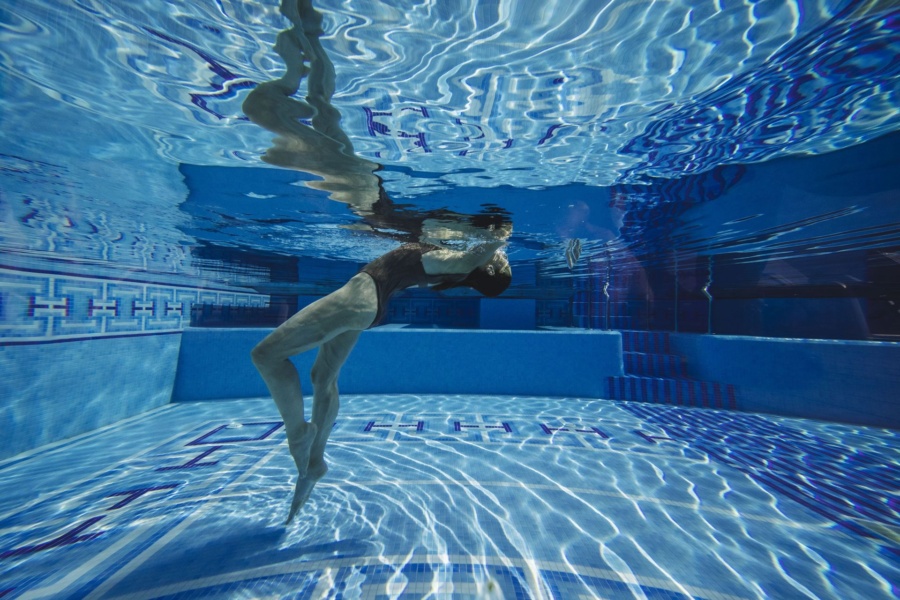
x=491 y=279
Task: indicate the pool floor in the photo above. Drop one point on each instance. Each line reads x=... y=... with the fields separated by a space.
x=458 y=497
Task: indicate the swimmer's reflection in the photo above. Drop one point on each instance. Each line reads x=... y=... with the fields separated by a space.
x=333 y=324
x=431 y=256
x=323 y=148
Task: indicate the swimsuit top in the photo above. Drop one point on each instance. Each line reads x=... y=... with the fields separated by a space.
x=400 y=269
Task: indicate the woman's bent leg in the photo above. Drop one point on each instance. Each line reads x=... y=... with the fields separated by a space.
x=346 y=311
x=326 y=402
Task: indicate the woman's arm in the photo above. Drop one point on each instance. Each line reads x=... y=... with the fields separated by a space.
x=445 y=261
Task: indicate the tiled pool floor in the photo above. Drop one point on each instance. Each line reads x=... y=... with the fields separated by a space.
x=458 y=497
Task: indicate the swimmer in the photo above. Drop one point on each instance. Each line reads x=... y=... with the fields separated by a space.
x=333 y=324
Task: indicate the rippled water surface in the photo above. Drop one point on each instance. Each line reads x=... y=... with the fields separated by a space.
x=518 y=93
x=463 y=104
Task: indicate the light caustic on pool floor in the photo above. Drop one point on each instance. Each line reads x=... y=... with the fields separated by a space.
x=458 y=496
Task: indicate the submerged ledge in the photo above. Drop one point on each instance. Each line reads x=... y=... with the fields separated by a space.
x=215 y=363
x=833 y=380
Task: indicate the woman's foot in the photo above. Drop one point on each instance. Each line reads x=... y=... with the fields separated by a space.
x=304 y=487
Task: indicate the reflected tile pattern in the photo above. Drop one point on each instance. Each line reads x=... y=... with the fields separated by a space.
x=457 y=497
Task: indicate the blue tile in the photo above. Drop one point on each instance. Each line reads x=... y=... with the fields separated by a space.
x=462 y=506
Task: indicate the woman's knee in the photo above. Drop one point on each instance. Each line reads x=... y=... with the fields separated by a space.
x=262 y=354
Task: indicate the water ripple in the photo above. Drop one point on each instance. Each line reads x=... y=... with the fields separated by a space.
x=533 y=93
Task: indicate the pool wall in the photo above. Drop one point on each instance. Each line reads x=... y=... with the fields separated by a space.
x=770 y=249
x=845 y=381
x=54 y=391
x=851 y=382
x=89 y=347
x=95 y=277
x=215 y=364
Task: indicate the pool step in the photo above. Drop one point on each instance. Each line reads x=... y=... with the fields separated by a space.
x=680 y=392
x=616 y=322
x=653 y=365
x=654 y=374
x=649 y=342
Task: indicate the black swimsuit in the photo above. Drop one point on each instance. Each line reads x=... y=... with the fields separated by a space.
x=400 y=269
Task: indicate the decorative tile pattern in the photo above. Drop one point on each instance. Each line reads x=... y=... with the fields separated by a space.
x=541 y=498
x=569 y=432
x=41 y=307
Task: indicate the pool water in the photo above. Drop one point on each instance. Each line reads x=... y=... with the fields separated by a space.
x=458 y=497
x=699 y=200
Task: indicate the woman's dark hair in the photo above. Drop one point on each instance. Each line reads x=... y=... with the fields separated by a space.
x=489 y=282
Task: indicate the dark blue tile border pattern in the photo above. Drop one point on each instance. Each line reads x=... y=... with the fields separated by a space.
x=232 y=433
x=458 y=496
x=41 y=307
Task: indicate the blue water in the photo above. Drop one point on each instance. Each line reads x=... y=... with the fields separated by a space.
x=726 y=172
x=484 y=100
